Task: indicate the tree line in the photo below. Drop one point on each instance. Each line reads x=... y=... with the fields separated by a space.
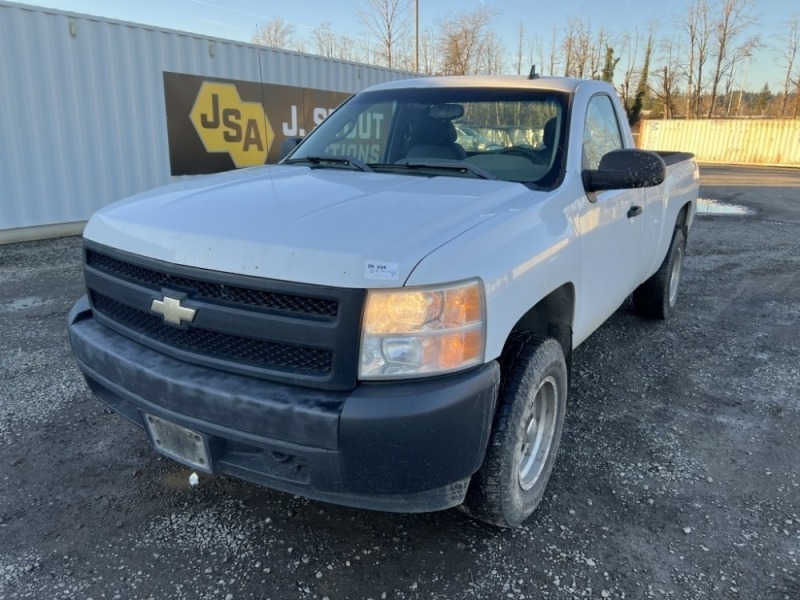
x=697 y=69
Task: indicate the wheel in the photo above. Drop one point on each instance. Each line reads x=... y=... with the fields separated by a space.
x=525 y=434
x=531 y=155
x=657 y=296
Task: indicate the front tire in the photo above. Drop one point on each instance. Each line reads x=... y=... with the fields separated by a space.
x=657 y=296
x=525 y=435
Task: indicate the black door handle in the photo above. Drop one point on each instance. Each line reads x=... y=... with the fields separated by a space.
x=634 y=211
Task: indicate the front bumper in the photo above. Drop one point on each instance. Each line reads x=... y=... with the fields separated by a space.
x=397 y=446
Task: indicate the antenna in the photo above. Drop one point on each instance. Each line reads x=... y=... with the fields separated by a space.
x=263 y=99
x=533 y=74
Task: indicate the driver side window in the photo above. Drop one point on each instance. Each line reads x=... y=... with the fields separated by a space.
x=601 y=132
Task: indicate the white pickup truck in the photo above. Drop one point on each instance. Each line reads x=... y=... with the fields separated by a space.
x=386 y=318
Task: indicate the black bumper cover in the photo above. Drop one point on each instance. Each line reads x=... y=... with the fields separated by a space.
x=400 y=446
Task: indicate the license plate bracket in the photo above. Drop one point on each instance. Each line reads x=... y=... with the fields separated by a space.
x=179 y=443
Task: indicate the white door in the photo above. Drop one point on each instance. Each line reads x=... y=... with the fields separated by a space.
x=611 y=224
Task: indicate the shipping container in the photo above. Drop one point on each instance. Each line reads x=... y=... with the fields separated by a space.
x=93 y=110
x=729 y=141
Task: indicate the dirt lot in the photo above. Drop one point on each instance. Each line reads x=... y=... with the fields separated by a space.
x=679 y=474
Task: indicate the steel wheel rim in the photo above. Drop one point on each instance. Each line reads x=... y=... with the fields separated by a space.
x=675 y=277
x=537 y=435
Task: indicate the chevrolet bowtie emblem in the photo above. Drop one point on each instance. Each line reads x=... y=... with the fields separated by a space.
x=172 y=310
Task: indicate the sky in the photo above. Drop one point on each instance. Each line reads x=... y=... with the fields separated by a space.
x=237 y=20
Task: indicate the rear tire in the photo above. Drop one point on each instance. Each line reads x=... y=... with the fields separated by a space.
x=657 y=296
x=525 y=435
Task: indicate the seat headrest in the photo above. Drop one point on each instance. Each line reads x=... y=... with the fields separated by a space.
x=434 y=132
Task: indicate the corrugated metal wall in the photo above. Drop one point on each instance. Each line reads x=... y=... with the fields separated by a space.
x=82 y=110
x=762 y=142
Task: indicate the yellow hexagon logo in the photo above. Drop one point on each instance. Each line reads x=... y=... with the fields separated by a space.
x=227 y=124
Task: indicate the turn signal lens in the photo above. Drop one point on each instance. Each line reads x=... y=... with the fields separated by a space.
x=460 y=348
x=462 y=305
x=422 y=331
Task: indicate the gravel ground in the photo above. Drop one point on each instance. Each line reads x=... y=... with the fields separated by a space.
x=678 y=477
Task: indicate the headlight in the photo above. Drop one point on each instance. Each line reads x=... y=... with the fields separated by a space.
x=422 y=331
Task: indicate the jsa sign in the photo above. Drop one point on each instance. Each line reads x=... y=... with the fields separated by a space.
x=219 y=124
x=226 y=124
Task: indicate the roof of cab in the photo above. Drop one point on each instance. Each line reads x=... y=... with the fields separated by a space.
x=561 y=84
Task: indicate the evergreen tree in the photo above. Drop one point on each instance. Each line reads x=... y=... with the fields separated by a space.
x=609 y=65
x=635 y=109
x=764 y=97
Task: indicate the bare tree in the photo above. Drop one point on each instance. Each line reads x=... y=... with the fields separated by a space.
x=462 y=40
x=734 y=19
x=597 y=55
x=568 y=47
x=326 y=42
x=583 y=51
x=698 y=29
x=730 y=70
x=275 y=33
x=553 y=47
x=323 y=40
x=493 y=52
x=404 y=55
x=582 y=47
x=388 y=21
x=520 y=40
x=630 y=47
x=576 y=47
x=536 y=55
x=355 y=50
x=790 y=57
x=427 y=51
x=667 y=76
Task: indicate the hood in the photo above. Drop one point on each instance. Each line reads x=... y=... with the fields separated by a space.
x=320 y=226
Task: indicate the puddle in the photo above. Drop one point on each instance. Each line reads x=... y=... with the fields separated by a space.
x=706 y=206
x=23 y=304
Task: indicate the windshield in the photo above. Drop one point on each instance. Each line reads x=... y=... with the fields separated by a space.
x=511 y=135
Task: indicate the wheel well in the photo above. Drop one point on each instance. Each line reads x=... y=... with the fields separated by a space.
x=682 y=222
x=552 y=317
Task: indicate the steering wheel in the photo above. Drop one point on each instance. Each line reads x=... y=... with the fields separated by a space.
x=531 y=155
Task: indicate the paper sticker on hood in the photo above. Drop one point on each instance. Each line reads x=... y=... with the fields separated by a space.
x=378 y=269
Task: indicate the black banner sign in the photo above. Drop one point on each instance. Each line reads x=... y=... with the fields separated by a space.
x=217 y=125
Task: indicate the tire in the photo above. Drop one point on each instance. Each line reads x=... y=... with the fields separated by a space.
x=657 y=296
x=525 y=435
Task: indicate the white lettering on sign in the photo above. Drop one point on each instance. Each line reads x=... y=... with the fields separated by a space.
x=367 y=153
x=363 y=140
x=292 y=128
x=376 y=269
x=320 y=114
x=368 y=127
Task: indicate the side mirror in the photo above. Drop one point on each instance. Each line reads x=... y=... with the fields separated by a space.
x=288 y=145
x=626 y=169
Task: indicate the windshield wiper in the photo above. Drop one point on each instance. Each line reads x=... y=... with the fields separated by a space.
x=319 y=160
x=461 y=167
